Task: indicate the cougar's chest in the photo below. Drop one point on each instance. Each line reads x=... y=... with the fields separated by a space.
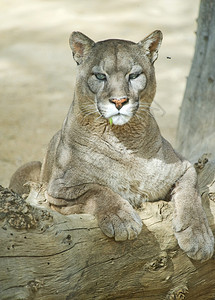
x=138 y=179
x=135 y=178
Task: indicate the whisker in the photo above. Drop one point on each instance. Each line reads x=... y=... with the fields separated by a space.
x=146 y=111
x=88 y=112
x=145 y=106
x=158 y=108
x=148 y=103
x=154 y=103
x=100 y=116
x=138 y=117
x=91 y=113
x=90 y=105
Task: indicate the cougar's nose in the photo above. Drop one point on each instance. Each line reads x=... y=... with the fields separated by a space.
x=119 y=102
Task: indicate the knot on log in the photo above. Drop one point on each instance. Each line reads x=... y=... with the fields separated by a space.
x=206 y=177
x=35 y=285
x=159 y=262
x=199 y=165
x=177 y=293
x=17 y=213
x=72 y=251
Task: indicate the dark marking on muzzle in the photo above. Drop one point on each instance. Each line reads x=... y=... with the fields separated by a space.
x=119 y=102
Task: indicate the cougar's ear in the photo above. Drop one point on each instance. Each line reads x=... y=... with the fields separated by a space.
x=80 y=45
x=151 y=45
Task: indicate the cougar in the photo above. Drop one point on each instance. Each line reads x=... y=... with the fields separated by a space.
x=110 y=156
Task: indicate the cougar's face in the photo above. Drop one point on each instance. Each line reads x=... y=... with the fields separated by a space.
x=117 y=81
x=115 y=76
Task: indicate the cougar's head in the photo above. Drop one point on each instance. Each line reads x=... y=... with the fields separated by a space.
x=116 y=77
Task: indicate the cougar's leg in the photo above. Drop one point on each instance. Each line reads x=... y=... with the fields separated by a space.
x=27 y=172
x=189 y=219
x=116 y=217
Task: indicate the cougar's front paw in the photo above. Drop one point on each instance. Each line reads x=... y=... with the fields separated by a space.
x=122 y=224
x=196 y=240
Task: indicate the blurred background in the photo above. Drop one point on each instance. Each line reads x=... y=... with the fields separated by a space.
x=37 y=72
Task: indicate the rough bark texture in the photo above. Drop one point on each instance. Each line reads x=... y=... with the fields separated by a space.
x=45 y=255
x=196 y=134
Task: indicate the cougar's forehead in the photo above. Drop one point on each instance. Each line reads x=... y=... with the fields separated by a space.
x=115 y=55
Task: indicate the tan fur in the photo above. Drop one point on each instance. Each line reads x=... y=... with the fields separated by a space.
x=109 y=158
x=24 y=174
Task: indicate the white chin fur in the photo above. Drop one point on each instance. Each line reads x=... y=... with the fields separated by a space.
x=120 y=119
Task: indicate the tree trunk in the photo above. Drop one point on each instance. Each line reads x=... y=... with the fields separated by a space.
x=49 y=256
x=196 y=129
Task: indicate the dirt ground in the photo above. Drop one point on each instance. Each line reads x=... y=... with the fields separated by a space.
x=37 y=73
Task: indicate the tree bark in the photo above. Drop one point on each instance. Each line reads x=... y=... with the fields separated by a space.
x=49 y=256
x=196 y=127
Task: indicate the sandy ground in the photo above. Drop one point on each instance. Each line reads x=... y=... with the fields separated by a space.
x=37 y=73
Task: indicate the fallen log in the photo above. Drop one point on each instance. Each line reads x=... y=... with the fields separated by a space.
x=49 y=256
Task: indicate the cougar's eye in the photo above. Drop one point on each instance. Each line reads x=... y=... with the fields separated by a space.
x=134 y=76
x=100 y=76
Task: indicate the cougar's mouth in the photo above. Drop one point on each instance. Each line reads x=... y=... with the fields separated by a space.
x=120 y=119
x=118 y=115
